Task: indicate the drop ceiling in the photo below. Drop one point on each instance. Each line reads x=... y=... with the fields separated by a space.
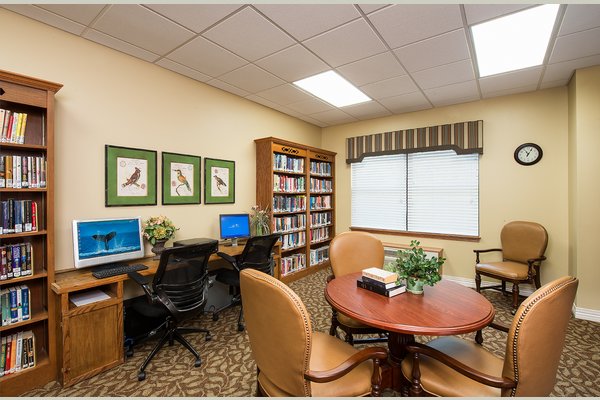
x=405 y=57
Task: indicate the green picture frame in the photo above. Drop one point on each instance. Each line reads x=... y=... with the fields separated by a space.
x=130 y=176
x=180 y=179
x=219 y=181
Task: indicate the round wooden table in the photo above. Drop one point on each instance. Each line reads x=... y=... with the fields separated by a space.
x=447 y=308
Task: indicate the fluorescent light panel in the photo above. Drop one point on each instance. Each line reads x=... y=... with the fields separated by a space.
x=332 y=88
x=514 y=42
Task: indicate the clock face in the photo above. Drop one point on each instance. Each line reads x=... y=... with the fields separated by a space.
x=528 y=154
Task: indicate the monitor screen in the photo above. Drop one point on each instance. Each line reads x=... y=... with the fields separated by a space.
x=102 y=241
x=234 y=226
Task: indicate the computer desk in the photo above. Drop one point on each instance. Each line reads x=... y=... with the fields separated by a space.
x=90 y=337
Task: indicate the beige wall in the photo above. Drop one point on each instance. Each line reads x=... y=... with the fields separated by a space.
x=111 y=98
x=508 y=191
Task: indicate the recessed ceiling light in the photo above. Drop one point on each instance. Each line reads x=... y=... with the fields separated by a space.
x=517 y=41
x=332 y=88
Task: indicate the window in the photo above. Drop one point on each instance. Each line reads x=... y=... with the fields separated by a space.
x=431 y=192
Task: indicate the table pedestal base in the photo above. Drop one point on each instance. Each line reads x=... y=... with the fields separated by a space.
x=397 y=343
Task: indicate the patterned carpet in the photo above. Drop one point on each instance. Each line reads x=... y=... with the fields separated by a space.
x=228 y=369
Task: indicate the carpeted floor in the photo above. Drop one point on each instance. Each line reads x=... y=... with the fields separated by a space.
x=228 y=369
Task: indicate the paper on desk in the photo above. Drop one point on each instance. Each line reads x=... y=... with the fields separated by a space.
x=90 y=296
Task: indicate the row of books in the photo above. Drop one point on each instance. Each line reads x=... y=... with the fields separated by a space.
x=14 y=304
x=293 y=263
x=289 y=203
x=319 y=234
x=18 y=216
x=320 y=202
x=320 y=168
x=320 y=218
x=321 y=185
x=289 y=223
x=283 y=162
x=17 y=352
x=289 y=184
x=16 y=260
x=13 y=126
x=291 y=240
x=22 y=171
x=320 y=255
x=381 y=282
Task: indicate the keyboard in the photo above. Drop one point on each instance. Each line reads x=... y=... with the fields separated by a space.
x=106 y=271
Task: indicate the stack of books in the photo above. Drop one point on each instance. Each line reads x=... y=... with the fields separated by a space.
x=380 y=281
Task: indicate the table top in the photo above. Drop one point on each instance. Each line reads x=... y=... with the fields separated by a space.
x=447 y=308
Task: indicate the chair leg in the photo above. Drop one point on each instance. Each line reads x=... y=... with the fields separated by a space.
x=536 y=279
x=478 y=282
x=159 y=345
x=241 y=326
x=187 y=345
x=515 y=295
x=196 y=330
x=334 y=323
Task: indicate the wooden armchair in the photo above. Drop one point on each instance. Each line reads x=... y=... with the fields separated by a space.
x=523 y=247
x=291 y=359
x=454 y=367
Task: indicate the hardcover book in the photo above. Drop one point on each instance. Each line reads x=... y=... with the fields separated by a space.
x=396 y=290
x=380 y=275
x=390 y=285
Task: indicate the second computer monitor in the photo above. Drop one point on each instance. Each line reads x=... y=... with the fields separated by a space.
x=234 y=226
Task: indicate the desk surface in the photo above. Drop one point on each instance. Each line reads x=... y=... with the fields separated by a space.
x=444 y=309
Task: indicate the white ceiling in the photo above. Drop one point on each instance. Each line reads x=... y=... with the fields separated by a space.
x=405 y=57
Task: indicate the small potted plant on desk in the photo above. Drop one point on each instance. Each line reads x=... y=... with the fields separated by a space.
x=157 y=230
x=414 y=266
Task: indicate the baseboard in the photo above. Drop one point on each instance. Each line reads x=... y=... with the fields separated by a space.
x=587 y=314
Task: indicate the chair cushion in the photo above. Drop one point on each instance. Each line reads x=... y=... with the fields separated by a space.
x=505 y=269
x=441 y=380
x=351 y=322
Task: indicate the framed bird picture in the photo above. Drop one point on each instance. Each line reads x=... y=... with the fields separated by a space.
x=130 y=176
x=180 y=179
x=219 y=181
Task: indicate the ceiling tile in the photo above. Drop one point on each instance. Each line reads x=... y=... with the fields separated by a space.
x=249 y=35
x=293 y=63
x=311 y=106
x=251 y=78
x=366 y=110
x=81 y=13
x=206 y=57
x=306 y=118
x=285 y=94
x=372 y=69
x=576 y=45
x=369 y=8
x=579 y=17
x=46 y=17
x=407 y=23
x=141 y=27
x=442 y=49
x=333 y=117
x=508 y=91
x=406 y=103
x=564 y=70
x=452 y=94
x=348 y=43
x=227 y=87
x=195 y=17
x=510 y=80
x=303 y=21
x=119 y=45
x=551 y=84
x=390 y=87
x=443 y=75
x=183 y=70
x=477 y=13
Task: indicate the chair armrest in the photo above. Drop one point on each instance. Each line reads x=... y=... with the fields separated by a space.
x=143 y=281
x=489 y=380
x=230 y=259
x=477 y=252
x=330 y=278
x=531 y=261
x=375 y=353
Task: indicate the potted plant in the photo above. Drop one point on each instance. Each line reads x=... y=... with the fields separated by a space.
x=157 y=230
x=260 y=221
x=414 y=266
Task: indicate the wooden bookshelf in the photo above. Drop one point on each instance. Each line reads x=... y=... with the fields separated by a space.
x=297 y=183
x=34 y=97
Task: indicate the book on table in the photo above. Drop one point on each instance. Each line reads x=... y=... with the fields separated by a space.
x=380 y=288
x=380 y=275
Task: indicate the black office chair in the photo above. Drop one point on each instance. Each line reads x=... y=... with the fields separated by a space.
x=257 y=254
x=177 y=293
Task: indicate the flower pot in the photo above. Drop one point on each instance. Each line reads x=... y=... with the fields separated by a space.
x=158 y=248
x=416 y=287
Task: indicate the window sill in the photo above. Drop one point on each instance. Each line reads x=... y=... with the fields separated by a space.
x=441 y=236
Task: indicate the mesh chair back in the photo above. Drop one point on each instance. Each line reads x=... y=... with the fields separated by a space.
x=181 y=280
x=258 y=253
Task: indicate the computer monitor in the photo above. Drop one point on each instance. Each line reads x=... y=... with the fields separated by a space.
x=234 y=227
x=102 y=241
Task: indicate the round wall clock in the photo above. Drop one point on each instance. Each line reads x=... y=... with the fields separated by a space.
x=528 y=154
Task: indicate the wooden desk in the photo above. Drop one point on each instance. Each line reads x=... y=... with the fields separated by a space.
x=90 y=337
x=444 y=309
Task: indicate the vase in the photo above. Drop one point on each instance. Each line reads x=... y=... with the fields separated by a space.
x=262 y=229
x=158 y=248
x=416 y=287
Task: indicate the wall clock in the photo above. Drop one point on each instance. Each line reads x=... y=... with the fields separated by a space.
x=528 y=154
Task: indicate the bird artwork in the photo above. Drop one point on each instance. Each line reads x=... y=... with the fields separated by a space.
x=132 y=180
x=182 y=182
x=219 y=183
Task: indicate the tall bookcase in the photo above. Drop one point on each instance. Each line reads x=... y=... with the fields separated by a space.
x=297 y=182
x=35 y=99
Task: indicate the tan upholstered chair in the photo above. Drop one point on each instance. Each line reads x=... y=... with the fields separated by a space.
x=451 y=366
x=352 y=252
x=523 y=247
x=291 y=359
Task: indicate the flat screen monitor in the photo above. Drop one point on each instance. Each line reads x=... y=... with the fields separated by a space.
x=102 y=241
x=234 y=226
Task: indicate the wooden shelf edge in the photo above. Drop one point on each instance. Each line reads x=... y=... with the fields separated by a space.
x=37 y=317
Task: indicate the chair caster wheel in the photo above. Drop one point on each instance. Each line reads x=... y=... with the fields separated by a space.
x=129 y=353
x=197 y=363
x=208 y=337
x=215 y=317
x=241 y=327
x=141 y=376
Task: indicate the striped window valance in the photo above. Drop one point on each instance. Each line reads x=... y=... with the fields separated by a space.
x=462 y=137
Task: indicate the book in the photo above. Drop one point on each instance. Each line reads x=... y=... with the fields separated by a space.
x=8 y=355
x=31 y=344
x=25 y=301
x=2 y=355
x=366 y=279
x=2 y=171
x=380 y=275
x=396 y=290
x=3 y=267
x=5 y=306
